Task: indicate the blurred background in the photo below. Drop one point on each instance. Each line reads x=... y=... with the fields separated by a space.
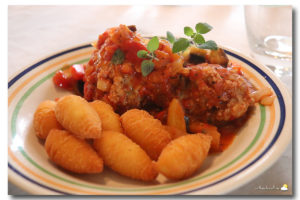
x=35 y=32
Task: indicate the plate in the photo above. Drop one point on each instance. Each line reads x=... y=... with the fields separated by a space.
x=256 y=147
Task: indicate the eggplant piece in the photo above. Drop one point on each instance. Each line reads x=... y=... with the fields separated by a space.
x=218 y=57
x=132 y=28
x=196 y=59
x=194 y=55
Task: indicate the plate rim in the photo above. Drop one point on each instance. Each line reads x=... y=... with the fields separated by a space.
x=277 y=82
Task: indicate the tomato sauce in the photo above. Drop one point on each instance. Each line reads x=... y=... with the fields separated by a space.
x=230 y=130
x=227 y=138
x=226 y=130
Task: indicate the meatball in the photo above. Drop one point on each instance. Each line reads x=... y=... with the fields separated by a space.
x=215 y=93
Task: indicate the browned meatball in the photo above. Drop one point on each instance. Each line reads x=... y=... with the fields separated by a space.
x=215 y=93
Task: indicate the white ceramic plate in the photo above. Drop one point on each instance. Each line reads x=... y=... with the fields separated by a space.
x=256 y=147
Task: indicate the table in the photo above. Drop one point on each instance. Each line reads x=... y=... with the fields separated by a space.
x=35 y=32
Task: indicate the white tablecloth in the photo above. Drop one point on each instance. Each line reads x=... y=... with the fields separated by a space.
x=34 y=32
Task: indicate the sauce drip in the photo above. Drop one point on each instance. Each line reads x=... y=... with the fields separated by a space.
x=227 y=130
x=230 y=130
x=226 y=139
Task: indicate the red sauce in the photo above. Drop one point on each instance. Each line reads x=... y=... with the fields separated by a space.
x=227 y=138
x=231 y=129
x=227 y=130
x=131 y=47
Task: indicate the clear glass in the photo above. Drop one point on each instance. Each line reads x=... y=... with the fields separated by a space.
x=269 y=30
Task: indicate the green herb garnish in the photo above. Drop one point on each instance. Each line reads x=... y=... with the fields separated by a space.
x=196 y=38
x=208 y=45
x=147 y=66
x=170 y=37
x=203 y=28
x=180 y=45
x=153 y=44
x=142 y=54
x=188 y=31
x=118 y=57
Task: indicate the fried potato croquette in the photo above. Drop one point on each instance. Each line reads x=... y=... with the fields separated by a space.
x=124 y=156
x=76 y=115
x=44 y=119
x=183 y=156
x=175 y=132
x=146 y=131
x=72 y=153
x=110 y=120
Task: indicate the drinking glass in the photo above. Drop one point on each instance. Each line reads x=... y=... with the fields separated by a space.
x=269 y=30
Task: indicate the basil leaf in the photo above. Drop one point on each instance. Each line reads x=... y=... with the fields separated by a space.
x=153 y=44
x=203 y=28
x=199 y=39
x=180 y=45
x=208 y=45
x=142 y=54
x=118 y=57
x=188 y=31
x=147 y=67
x=170 y=37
